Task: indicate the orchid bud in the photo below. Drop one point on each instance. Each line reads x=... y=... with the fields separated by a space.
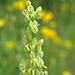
x=29 y=35
x=33 y=16
x=33 y=72
x=21 y=67
x=28 y=3
x=33 y=44
x=35 y=23
x=25 y=12
x=38 y=15
x=33 y=63
x=32 y=55
x=39 y=9
x=45 y=73
x=30 y=9
x=40 y=53
x=40 y=42
x=23 y=73
x=41 y=62
x=37 y=72
x=25 y=42
x=27 y=48
x=27 y=18
x=33 y=27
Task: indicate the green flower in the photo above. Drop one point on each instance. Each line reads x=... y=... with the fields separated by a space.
x=34 y=64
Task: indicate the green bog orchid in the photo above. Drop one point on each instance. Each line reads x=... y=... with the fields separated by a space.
x=34 y=64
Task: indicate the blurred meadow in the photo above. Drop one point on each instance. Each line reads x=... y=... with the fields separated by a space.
x=57 y=28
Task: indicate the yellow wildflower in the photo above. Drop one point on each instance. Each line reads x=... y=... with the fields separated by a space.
x=73 y=9
x=64 y=6
x=68 y=44
x=19 y=4
x=53 y=24
x=57 y=40
x=47 y=16
x=10 y=45
x=2 y=22
x=66 y=73
x=49 y=33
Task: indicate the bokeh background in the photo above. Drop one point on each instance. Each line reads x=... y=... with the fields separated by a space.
x=57 y=29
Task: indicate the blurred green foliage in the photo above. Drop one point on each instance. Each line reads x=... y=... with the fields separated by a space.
x=59 y=58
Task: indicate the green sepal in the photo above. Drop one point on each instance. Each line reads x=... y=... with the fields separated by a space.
x=35 y=72
x=45 y=73
x=33 y=26
x=29 y=35
x=30 y=9
x=33 y=44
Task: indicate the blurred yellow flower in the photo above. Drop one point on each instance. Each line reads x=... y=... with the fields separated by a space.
x=2 y=22
x=66 y=73
x=72 y=8
x=68 y=44
x=53 y=24
x=10 y=45
x=57 y=40
x=49 y=33
x=46 y=16
x=19 y=4
x=64 y=6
